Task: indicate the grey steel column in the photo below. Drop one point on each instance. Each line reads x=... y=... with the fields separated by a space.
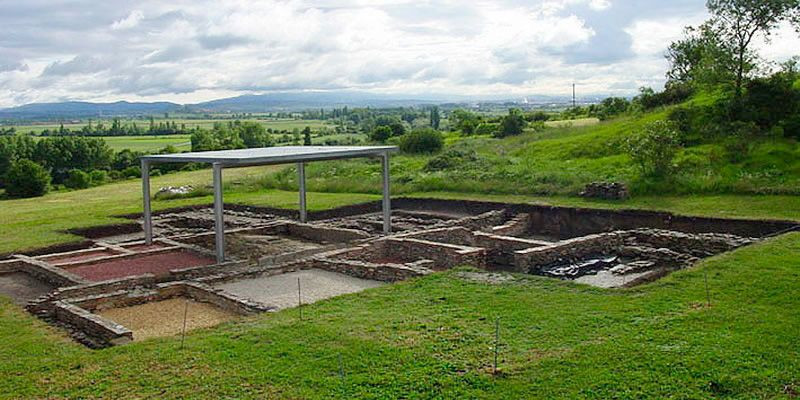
x=148 y=217
x=219 y=224
x=301 y=180
x=387 y=206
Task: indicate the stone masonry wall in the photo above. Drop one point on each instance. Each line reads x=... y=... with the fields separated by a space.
x=567 y=250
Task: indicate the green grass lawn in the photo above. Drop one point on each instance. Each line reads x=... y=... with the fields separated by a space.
x=433 y=338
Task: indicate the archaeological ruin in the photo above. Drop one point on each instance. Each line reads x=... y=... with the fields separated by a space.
x=113 y=287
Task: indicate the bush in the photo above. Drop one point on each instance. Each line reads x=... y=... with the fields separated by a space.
x=77 y=179
x=98 y=177
x=131 y=172
x=512 y=124
x=25 y=178
x=487 y=128
x=422 y=141
x=381 y=133
x=451 y=159
x=654 y=148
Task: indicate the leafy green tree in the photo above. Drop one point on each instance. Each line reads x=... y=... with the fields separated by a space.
x=26 y=178
x=739 y=21
x=435 y=118
x=381 y=133
x=253 y=134
x=465 y=121
x=306 y=136
x=512 y=124
x=700 y=57
x=295 y=137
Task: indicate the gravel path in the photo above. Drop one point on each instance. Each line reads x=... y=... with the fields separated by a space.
x=281 y=290
x=165 y=318
x=157 y=264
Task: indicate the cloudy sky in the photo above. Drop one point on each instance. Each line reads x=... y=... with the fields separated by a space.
x=191 y=51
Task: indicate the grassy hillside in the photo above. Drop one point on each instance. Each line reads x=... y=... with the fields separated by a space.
x=433 y=338
x=561 y=160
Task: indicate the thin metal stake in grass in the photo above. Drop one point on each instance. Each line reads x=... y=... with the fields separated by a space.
x=708 y=293
x=341 y=369
x=185 y=314
x=496 y=343
x=299 y=299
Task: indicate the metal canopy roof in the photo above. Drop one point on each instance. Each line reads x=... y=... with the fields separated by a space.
x=272 y=155
x=263 y=156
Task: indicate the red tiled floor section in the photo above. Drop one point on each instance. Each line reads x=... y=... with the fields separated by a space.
x=79 y=257
x=157 y=264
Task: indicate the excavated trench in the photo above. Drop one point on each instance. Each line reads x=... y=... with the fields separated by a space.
x=113 y=278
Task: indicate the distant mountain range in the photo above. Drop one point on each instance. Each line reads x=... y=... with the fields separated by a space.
x=279 y=101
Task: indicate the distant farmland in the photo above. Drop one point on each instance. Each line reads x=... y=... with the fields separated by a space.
x=147 y=143
x=275 y=124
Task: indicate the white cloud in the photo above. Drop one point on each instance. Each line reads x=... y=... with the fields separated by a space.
x=192 y=50
x=128 y=22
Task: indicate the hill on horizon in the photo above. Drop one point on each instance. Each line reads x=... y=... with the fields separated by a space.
x=253 y=103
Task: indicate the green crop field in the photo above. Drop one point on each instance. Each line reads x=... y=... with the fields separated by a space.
x=145 y=143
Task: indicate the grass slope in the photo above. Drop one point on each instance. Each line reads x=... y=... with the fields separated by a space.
x=432 y=338
x=562 y=160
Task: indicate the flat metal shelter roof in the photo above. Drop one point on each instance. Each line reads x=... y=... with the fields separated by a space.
x=272 y=155
x=263 y=156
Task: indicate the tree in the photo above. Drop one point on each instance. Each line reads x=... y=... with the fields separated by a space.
x=739 y=21
x=26 y=178
x=381 y=133
x=465 y=121
x=435 y=118
x=512 y=124
x=306 y=136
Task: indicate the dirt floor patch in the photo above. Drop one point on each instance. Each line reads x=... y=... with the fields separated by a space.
x=22 y=287
x=281 y=290
x=165 y=318
x=156 y=264
x=254 y=247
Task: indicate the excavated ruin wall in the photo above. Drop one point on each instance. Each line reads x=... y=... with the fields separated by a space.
x=567 y=250
x=701 y=245
x=566 y=222
x=316 y=233
x=48 y=273
x=372 y=271
x=91 y=324
x=561 y=222
x=443 y=255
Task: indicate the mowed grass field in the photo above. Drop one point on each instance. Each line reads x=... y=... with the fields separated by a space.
x=433 y=337
x=145 y=143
